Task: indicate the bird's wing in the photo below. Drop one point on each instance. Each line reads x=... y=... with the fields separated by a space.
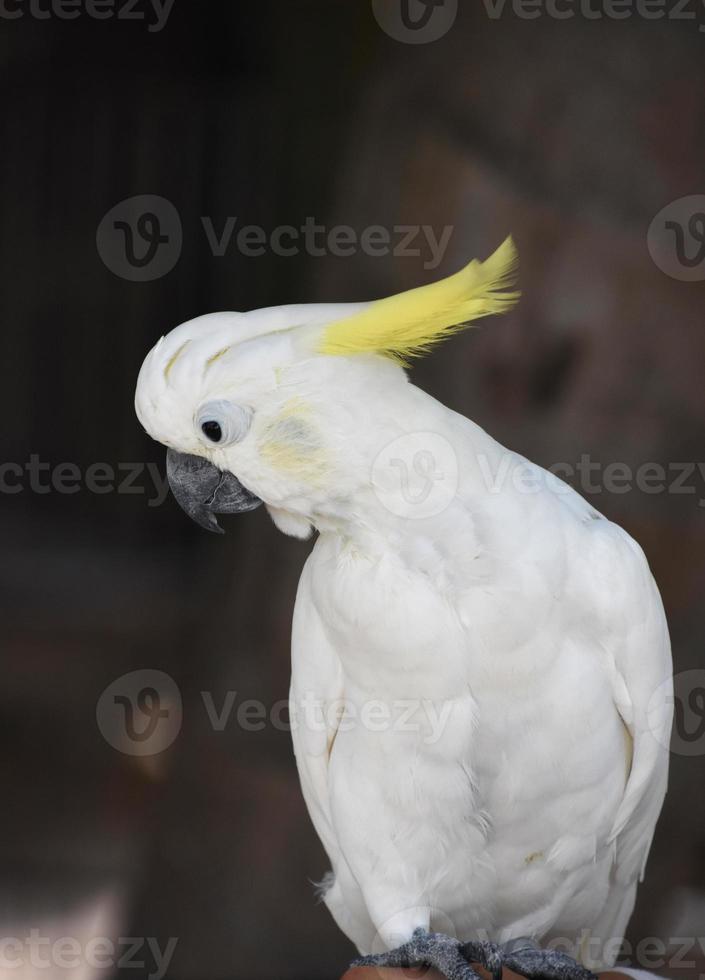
x=635 y=650
x=642 y=689
x=317 y=702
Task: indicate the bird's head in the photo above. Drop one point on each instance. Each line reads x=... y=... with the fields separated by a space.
x=284 y=405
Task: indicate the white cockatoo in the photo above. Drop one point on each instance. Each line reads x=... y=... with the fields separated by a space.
x=481 y=666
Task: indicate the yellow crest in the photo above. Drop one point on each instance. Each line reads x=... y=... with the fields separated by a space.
x=409 y=324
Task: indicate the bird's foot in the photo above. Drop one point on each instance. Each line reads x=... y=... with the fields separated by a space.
x=453 y=958
x=487 y=954
x=432 y=949
x=526 y=957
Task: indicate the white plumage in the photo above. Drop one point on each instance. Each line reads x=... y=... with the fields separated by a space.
x=479 y=732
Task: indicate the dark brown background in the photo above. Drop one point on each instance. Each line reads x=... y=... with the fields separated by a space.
x=572 y=135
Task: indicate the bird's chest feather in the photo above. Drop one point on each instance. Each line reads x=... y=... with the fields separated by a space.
x=401 y=625
x=491 y=709
x=392 y=626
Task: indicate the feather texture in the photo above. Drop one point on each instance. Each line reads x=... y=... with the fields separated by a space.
x=411 y=323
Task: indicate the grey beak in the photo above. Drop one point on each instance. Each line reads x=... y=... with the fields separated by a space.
x=203 y=491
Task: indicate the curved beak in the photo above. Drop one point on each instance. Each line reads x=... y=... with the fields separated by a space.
x=203 y=491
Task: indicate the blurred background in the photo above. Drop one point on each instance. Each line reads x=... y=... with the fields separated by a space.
x=464 y=123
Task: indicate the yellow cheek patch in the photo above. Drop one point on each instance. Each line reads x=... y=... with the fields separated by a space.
x=290 y=443
x=409 y=324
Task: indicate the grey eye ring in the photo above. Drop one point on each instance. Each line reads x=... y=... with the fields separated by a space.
x=223 y=423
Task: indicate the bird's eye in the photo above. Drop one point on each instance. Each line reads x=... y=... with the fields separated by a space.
x=223 y=422
x=212 y=430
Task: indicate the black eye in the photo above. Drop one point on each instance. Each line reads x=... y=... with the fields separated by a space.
x=211 y=430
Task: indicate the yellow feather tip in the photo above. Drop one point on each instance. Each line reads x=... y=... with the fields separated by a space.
x=409 y=324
